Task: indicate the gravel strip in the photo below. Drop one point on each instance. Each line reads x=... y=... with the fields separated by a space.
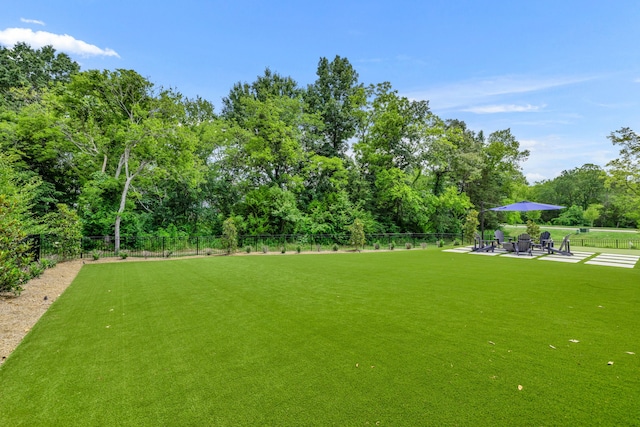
x=18 y=314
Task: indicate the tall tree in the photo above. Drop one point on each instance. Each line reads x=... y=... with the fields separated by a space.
x=268 y=85
x=625 y=170
x=126 y=130
x=26 y=72
x=339 y=99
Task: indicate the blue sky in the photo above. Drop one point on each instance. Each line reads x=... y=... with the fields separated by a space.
x=561 y=74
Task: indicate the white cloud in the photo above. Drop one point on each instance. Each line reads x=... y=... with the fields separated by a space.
x=505 y=108
x=62 y=42
x=469 y=93
x=551 y=154
x=535 y=177
x=528 y=143
x=32 y=21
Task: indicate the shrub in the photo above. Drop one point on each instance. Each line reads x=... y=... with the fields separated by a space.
x=48 y=263
x=283 y=249
x=298 y=249
x=533 y=230
x=248 y=249
x=335 y=247
x=65 y=225
x=95 y=254
x=408 y=245
x=376 y=245
x=15 y=253
x=456 y=242
x=392 y=246
x=36 y=269
x=123 y=254
x=470 y=225
x=229 y=235
x=357 y=234
x=441 y=243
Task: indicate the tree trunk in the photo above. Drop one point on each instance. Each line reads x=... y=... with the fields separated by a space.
x=123 y=201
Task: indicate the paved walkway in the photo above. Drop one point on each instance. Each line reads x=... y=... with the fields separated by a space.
x=604 y=259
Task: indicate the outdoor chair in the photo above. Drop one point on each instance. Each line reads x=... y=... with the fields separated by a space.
x=545 y=239
x=524 y=244
x=565 y=247
x=499 y=236
x=482 y=245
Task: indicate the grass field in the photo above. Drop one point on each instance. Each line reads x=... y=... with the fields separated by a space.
x=557 y=233
x=401 y=338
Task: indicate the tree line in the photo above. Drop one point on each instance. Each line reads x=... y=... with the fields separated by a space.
x=122 y=156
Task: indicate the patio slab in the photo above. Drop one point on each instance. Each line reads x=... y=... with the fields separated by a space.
x=614 y=260
x=575 y=258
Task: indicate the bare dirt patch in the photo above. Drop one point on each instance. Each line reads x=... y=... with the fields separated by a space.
x=19 y=313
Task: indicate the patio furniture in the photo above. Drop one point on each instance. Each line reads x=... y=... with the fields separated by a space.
x=545 y=239
x=564 y=249
x=524 y=244
x=482 y=245
x=509 y=246
x=499 y=236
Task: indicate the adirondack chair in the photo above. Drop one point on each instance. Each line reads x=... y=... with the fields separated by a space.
x=545 y=239
x=564 y=249
x=499 y=236
x=482 y=245
x=524 y=244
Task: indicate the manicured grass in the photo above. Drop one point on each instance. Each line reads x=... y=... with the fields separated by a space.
x=557 y=233
x=401 y=338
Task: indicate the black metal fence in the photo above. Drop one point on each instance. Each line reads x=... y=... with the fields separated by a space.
x=48 y=246
x=605 y=243
x=159 y=246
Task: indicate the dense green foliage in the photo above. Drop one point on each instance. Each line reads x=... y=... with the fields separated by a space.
x=401 y=338
x=280 y=158
x=134 y=159
x=15 y=256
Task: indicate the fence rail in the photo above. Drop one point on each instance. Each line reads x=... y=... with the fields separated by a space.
x=158 y=246
x=606 y=243
x=48 y=246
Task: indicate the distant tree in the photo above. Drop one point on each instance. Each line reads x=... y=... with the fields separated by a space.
x=626 y=169
x=572 y=216
x=624 y=172
x=592 y=213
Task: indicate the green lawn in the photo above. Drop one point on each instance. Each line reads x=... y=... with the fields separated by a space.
x=557 y=232
x=402 y=338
